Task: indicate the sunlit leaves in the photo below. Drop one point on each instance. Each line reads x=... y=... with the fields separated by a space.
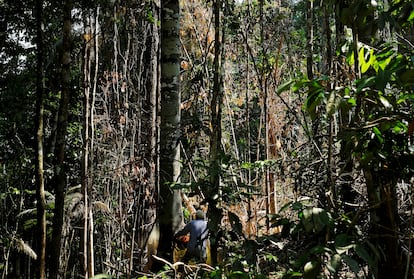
x=315 y=219
x=378 y=134
x=365 y=65
x=311 y=269
x=411 y=17
x=384 y=101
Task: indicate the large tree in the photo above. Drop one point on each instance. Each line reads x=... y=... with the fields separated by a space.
x=170 y=213
x=60 y=172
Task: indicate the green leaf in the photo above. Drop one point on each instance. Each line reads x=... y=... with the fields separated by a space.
x=314 y=99
x=411 y=16
x=363 y=254
x=351 y=59
x=311 y=270
x=284 y=87
x=353 y=265
x=334 y=264
x=297 y=206
x=29 y=224
x=361 y=58
x=342 y=244
x=344 y=249
x=382 y=79
x=315 y=219
x=397 y=129
x=374 y=250
x=378 y=134
x=271 y=257
x=285 y=206
x=14 y=191
x=372 y=58
x=246 y=165
x=384 y=63
x=318 y=249
x=352 y=101
x=293 y=274
x=341 y=240
x=365 y=82
x=364 y=67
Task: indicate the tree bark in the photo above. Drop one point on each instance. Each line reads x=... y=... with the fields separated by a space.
x=309 y=27
x=382 y=199
x=85 y=244
x=213 y=193
x=40 y=183
x=170 y=213
x=60 y=173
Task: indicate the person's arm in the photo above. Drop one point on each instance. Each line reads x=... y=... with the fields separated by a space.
x=184 y=231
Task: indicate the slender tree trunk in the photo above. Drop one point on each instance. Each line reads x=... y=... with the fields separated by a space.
x=216 y=153
x=87 y=131
x=332 y=199
x=95 y=46
x=170 y=212
x=149 y=239
x=60 y=181
x=40 y=189
x=346 y=191
x=85 y=181
x=328 y=38
x=309 y=27
x=252 y=222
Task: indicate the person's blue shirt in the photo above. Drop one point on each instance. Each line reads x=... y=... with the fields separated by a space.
x=196 y=246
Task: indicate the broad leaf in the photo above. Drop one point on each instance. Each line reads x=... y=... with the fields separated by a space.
x=353 y=264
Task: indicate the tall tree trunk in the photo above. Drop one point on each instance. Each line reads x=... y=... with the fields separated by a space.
x=40 y=188
x=86 y=243
x=309 y=48
x=85 y=167
x=60 y=181
x=327 y=65
x=215 y=213
x=346 y=191
x=170 y=214
x=382 y=197
x=152 y=237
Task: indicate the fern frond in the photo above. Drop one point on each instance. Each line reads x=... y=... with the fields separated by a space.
x=24 y=248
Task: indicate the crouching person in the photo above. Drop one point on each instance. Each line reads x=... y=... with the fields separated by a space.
x=197 y=245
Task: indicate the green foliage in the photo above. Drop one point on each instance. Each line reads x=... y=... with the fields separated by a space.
x=315 y=219
x=381 y=104
x=334 y=241
x=385 y=96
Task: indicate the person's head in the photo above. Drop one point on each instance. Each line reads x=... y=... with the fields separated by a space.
x=200 y=215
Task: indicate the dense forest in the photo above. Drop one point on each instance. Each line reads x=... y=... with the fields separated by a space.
x=290 y=123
